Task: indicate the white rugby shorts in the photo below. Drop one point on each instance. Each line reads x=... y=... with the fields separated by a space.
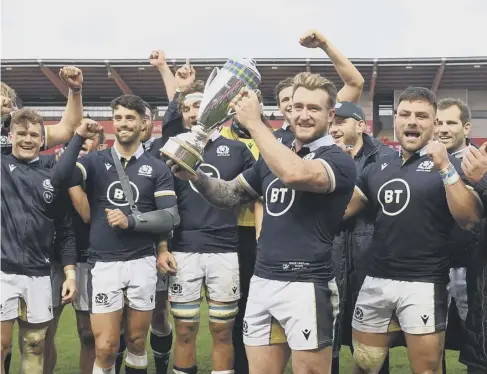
x=25 y=297
x=418 y=307
x=218 y=272
x=134 y=280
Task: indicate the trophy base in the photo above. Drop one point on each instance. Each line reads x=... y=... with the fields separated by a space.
x=182 y=154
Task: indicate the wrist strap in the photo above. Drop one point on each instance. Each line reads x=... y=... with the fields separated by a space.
x=75 y=91
x=71 y=274
x=449 y=175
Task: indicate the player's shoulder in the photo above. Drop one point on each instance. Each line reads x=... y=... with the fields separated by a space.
x=226 y=147
x=457 y=162
x=226 y=132
x=158 y=165
x=232 y=143
x=331 y=152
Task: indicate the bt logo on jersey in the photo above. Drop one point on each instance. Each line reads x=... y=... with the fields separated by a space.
x=278 y=198
x=394 y=196
x=278 y=194
x=116 y=196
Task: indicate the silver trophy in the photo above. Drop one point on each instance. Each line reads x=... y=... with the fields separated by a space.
x=222 y=86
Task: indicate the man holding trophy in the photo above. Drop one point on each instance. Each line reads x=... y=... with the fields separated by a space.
x=293 y=277
x=204 y=247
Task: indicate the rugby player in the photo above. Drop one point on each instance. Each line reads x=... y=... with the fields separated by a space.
x=416 y=195
x=121 y=236
x=57 y=134
x=294 y=288
x=80 y=213
x=284 y=94
x=179 y=118
x=205 y=247
x=452 y=129
x=351 y=246
x=33 y=217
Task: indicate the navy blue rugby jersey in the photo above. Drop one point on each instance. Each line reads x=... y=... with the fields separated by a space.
x=152 y=188
x=205 y=228
x=298 y=228
x=284 y=134
x=32 y=211
x=412 y=219
x=80 y=228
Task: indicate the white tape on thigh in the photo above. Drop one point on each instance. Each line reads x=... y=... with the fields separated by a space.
x=370 y=359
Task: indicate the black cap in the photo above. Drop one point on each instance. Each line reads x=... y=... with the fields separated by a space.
x=347 y=109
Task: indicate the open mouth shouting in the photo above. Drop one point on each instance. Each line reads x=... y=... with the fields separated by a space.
x=411 y=135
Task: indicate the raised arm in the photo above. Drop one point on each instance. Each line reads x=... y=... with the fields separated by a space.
x=62 y=132
x=352 y=79
x=65 y=174
x=158 y=60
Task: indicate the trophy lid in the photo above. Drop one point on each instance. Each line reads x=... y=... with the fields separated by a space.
x=244 y=69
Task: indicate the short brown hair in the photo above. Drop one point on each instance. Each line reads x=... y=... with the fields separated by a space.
x=288 y=82
x=196 y=86
x=25 y=116
x=418 y=94
x=464 y=109
x=312 y=82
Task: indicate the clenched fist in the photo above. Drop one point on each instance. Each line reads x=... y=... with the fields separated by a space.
x=185 y=76
x=116 y=218
x=438 y=154
x=312 y=39
x=72 y=77
x=247 y=108
x=158 y=59
x=89 y=129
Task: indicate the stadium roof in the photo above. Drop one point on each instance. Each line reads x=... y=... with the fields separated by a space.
x=36 y=81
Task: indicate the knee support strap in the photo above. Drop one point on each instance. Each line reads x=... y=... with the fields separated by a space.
x=222 y=313
x=370 y=359
x=186 y=312
x=32 y=350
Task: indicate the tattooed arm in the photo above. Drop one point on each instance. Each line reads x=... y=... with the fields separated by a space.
x=223 y=194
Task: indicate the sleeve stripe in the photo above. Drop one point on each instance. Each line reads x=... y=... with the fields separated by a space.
x=46 y=137
x=164 y=193
x=359 y=192
x=83 y=170
x=243 y=182
x=331 y=174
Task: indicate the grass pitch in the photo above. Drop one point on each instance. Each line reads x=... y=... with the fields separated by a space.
x=68 y=351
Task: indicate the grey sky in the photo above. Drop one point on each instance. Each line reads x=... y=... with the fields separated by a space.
x=107 y=29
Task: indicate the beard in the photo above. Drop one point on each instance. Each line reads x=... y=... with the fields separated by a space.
x=128 y=140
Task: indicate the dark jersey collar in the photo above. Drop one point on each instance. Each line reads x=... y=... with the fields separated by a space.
x=139 y=152
x=326 y=140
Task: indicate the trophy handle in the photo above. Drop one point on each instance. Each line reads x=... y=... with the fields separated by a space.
x=231 y=112
x=211 y=77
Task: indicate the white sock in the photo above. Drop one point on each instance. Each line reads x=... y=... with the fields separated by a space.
x=223 y=372
x=99 y=370
x=136 y=361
